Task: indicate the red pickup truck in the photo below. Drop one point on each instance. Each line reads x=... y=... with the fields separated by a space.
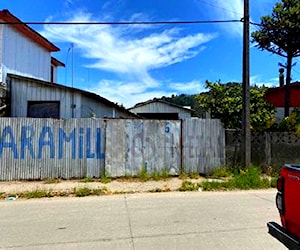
x=288 y=204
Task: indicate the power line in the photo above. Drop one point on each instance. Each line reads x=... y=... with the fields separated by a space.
x=127 y=23
x=218 y=7
x=255 y=24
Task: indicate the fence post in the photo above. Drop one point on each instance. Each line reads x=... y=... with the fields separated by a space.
x=268 y=151
x=181 y=146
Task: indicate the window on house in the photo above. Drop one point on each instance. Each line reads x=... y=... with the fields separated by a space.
x=52 y=73
x=43 y=109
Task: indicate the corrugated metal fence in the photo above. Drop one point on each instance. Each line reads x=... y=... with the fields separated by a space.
x=32 y=149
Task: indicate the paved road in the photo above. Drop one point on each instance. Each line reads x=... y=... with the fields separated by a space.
x=228 y=220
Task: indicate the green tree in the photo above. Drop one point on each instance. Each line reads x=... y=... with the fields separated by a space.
x=279 y=33
x=224 y=101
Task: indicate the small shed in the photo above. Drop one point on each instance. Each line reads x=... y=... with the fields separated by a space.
x=35 y=98
x=159 y=109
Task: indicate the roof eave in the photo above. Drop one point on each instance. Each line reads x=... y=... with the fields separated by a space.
x=23 y=28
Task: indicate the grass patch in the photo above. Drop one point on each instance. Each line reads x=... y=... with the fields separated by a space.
x=183 y=176
x=244 y=180
x=81 y=192
x=223 y=172
x=87 y=179
x=51 y=181
x=236 y=179
x=273 y=182
x=194 y=175
x=100 y=191
x=157 y=176
x=36 y=194
x=250 y=179
x=164 y=174
x=188 y=186
x=104 y=179
x=143 y=174
x=85 y=191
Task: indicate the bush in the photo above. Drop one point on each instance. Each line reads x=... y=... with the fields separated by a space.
x=244 y=180
x=291 y=123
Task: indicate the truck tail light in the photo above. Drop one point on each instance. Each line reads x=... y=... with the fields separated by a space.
x=280 y=182
x=280 y=202
x=280 y=196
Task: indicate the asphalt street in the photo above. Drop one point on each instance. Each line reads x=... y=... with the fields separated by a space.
x=196 y=220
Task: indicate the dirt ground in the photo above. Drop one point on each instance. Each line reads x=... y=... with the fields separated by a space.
x=115 y=186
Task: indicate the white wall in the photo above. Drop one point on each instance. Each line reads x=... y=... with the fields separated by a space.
x=1 y=42
x=158 y=107
x=22 y=56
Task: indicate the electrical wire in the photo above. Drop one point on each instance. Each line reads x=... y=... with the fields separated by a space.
x=218 y=7
x=127 y=23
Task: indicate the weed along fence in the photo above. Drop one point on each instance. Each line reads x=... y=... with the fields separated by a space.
x=32 y=149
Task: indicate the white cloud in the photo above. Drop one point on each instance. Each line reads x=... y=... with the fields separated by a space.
x=259 y=81
x=234 y=10
x=116 y=51
x=130 y=93
x=126 y=93
x=130 y=52
x=189 y=87
x=226 y=10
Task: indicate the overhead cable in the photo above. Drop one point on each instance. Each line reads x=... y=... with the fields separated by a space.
x=127 y=22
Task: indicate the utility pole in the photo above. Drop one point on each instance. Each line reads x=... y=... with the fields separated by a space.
x=246 y=148
x=72 y=100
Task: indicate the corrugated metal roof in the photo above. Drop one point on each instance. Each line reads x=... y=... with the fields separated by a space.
x=160 y=101
x=83 y=92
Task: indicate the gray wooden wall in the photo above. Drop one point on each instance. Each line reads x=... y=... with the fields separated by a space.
x=32 y=149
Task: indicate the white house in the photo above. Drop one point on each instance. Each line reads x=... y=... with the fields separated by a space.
x=23 y=51
x=28 y=79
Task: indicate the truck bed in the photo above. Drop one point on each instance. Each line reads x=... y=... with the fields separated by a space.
x=291 y=196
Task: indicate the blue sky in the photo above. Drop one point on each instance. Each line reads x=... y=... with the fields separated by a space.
x=131 y=64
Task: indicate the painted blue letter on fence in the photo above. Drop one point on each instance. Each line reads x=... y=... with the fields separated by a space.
x=11 y=143
x=100 y=155
x=26 y=141
x=46 y=131
x=62 y=137
x=49 y=143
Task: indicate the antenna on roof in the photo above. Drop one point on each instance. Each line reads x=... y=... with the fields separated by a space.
x=72 y=104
